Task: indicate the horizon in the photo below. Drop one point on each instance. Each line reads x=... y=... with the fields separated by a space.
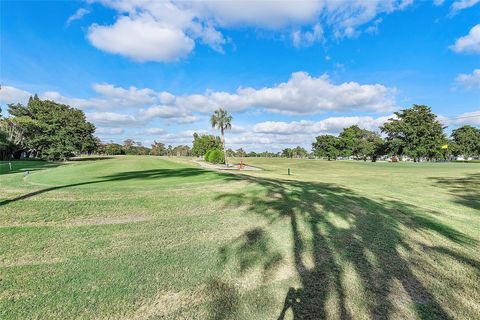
x=285 y=75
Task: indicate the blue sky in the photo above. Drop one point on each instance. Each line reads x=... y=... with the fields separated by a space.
x=288 y=71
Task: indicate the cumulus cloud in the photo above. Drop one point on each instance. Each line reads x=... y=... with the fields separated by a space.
x=155 y=131
x=79 y=14
x=166 y=31
x=10 y=94
x=301 y=94
x=469 y=81
x=112 y=119
x=329 y=125
x=469 y=43
x=109 y=131
x=142 y=39
x=109 y=97
x=173 y=114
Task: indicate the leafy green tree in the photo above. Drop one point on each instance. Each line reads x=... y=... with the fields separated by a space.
x=287 y=153
x=222 y=120
x=128 y=144
x=55 y=131
x=240 y=153
x=416 y=133
x=360 y=143
x=114 y=149
x=299 y=152
x=202 y=143
x=369 y=145
x=158 y=148
x=181 y=151
x=326 y=146
x=349 y=141
x=466 y=140
x=230 y=153
x=252 y=154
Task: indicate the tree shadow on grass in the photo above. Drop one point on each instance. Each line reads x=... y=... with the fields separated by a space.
x=465 y=189
x=332 y=226
x=25 y=165
x=90 y=158
x=128 y=176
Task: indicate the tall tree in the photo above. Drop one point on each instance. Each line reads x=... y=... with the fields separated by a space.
x=326 y=146
x=299 y=152
x=181 y=151
x=202 y=143
x=158 y=148
x=349 y=140
x=416 y=133
x=240 y=153
x=287 y=153
x=222 y=120
x=369 y=144
x=467 y=141
x=128 y=144
x=54 y=130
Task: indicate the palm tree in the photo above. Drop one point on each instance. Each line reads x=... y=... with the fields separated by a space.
x=222 y=121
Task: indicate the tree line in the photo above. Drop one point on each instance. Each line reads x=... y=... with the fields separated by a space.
x=415 y=133
x=131 y=147
x=53 y=131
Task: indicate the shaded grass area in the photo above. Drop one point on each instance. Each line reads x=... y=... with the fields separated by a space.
x=146 y=238
x=24 y=165
x=373 y=227
x=466 y=190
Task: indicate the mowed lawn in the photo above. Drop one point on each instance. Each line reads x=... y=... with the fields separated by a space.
x=161 y=238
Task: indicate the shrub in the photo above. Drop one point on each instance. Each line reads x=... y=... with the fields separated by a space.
x=207 y=155
x=215 y=156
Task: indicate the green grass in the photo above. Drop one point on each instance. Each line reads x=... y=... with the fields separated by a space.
x=151 y=238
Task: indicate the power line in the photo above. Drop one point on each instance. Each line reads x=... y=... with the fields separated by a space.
x=445 y=119
x=476 y=115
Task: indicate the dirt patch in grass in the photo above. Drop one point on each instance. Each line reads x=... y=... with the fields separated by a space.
x=165 y=303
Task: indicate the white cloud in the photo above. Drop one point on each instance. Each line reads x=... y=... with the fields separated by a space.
x=79 y=14
x=469 y=81
x=10 y=94
x=167 y=30
x=328 y=125
x=461 y=5
x=155 y=131
x=374 y=27
x=112 y=119
x=109 y=131
x=142 y=39
x=110 y=97
x=307 y=38
x=174 y=114
x=301 y=94
x=469 y=43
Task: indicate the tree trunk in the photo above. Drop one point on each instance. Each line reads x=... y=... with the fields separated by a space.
x=224 y=149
